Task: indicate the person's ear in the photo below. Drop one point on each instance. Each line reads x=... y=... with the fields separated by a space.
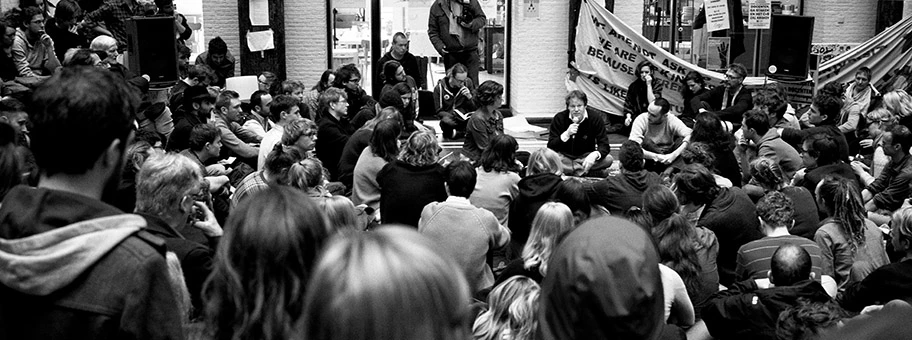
x=813 y=276
x=769 y=274
x=186 y=205
x=4 y=119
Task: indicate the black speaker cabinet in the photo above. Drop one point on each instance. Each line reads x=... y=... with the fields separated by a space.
x=153 y=49
x=790 y=46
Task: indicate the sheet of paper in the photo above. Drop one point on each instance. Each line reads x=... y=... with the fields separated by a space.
x=259 y=12
x=717 y=16
x=260 y=41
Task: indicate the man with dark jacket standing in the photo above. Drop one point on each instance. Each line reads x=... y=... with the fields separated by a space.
x=71 y=265
x=453 y=27
x=749 y=309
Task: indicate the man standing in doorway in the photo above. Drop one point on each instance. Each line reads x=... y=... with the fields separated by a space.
x=453 y=27
x=399 y=51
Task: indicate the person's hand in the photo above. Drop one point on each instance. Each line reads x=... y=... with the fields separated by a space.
x=465 y=92
x=859 y=167
x=799 y=175
x=217 y=169
x=871 y=309
x=866 y=143
x=209 y=226
x=664 y=159
x=648 y=78
x=628 y=120
x=590 y=161
x=572 y=129
x=46 y=40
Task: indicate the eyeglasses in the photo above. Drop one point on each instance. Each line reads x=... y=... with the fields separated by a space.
x=355 y=80
x=732 y=76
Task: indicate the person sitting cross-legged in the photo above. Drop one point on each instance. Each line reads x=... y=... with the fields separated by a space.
x=661 y=134
x=579 y=136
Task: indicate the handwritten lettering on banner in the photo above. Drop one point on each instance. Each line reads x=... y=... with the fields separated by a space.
x=607 y=52
x=826 y=52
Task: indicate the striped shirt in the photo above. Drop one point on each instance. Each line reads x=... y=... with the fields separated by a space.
x=754 y=257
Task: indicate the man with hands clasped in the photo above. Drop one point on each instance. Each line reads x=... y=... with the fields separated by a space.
x=579 y=136
x=661 y=134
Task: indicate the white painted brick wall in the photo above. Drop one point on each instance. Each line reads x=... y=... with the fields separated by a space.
x=631 y=12
x=305 y=40
x=539 y=59
x=907 y=8
x=220 y=18
x=842 y=21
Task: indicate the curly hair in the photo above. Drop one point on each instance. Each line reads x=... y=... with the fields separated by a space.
x=487 y=92
x=772 y=100
x=767 y=173
x=808 y=320
x=776 y=209
x=842 y=200
x=696 y=184
x=708 y=129
x=699 y=153
x=420 y=149
x=631 y=156
x=512 y=311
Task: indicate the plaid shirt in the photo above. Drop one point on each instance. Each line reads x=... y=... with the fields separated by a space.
x=252 y=184
x=113 y=14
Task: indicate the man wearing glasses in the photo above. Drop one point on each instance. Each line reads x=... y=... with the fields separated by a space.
x=729 y=101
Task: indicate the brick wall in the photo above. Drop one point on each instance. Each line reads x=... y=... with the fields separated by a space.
x=538 y=61
x=842 y=21
x=220 y=18
x=305 y=35
x=907 y=8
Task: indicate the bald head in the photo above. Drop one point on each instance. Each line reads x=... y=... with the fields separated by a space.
x=790 y=264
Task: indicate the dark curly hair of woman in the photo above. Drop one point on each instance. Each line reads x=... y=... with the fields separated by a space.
x=486 y=92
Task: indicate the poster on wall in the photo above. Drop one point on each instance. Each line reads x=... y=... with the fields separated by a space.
x=718 y=53
x=717 y=15
x=259 y=12
x=759 y=15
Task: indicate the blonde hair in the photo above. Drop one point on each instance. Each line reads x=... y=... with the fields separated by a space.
x=552 y=221
x=902 y=224
x=512 y=311
x=306 y=174
x=420 y=149
x=340 y=212
x=898 y=102
x=545 y=160
x=387 y=284
x=103 y=43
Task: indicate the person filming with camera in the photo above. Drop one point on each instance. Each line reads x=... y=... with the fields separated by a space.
x=453 y=27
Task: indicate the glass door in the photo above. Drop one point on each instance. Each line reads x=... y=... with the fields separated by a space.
x=351 y=37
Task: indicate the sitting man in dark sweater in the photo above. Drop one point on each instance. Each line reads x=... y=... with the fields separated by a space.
x=820 y=156
x=729 y=101
x=579 y=136
x=620 y=193
x=749 y=309
x=824 y=114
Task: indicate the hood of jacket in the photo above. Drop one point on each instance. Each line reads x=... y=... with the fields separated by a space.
x=782 y=298
x=539 y=186
x=604 y=283
x=49 y=237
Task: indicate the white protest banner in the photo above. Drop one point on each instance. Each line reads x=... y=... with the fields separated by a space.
x=825 y=52
x=716 y=15
x=888 y=55
x=607 y=52
x=759 y=15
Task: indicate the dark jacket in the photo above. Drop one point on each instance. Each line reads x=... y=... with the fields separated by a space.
x=734 y=112
x=405 y=189
x=447 y=99
x=891 y=188
x=807 y=220
x=885 y=284
x=439 y=27
x=590 y=136
x=795 y=138
x=815 y=175
x=534 y=191
x=636 y=101
x=350 y=154
x=332 y=134
x=409 y=63
x=745 y=312
x=195 y=258
x=184 y=121
x=603 y=282
x=623 y=191
x=63 y=39
x=733 y=218
x=223 y=70
x=82 y=270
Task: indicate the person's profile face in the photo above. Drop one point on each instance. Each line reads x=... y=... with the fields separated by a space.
x=233 y=111
x=806 y=158
x=693 y=86
x=306 y=142
x=400 y=74
x=655 y=114
x=814 y=115
x=36 y=25
x=215 y=148
x=263 y=84
x=888 y=148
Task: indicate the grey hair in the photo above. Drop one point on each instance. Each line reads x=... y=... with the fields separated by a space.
x=163 y=181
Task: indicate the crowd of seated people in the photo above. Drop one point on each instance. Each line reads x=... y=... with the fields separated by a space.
x=203 y=215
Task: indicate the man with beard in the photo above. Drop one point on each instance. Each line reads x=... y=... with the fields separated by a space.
x=197 y=108
x=72 y=264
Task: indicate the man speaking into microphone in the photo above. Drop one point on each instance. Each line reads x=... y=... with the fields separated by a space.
x=579 y=136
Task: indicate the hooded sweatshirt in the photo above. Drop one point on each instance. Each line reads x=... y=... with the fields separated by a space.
x=620 y=193
x=75 y=267
x=534 y=191
x=603 y=282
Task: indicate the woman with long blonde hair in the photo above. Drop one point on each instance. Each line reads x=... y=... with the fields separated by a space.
x=512 y=312
x=551 y=223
